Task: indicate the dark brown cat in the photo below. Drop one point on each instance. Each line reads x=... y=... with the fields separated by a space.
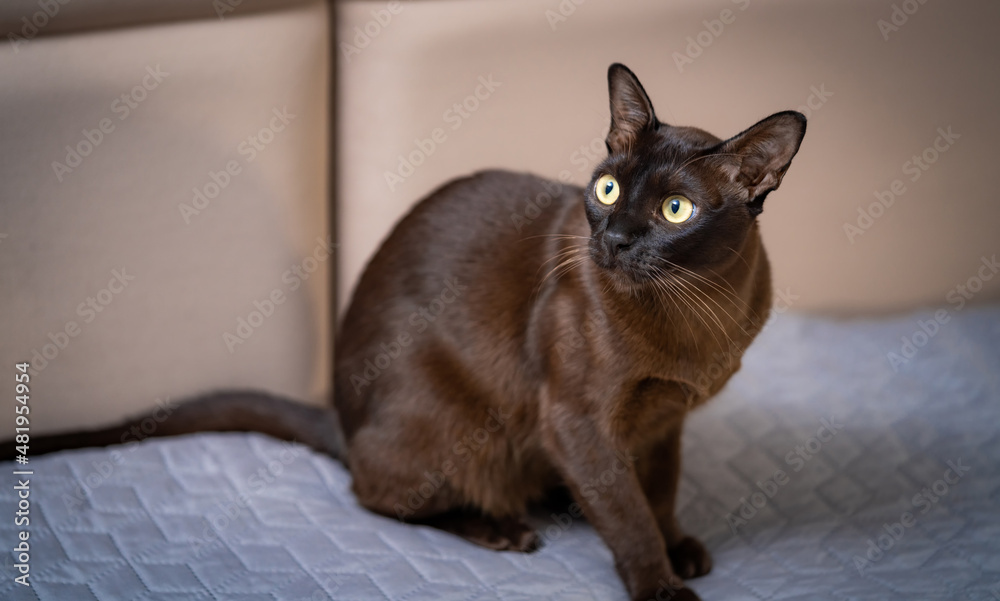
x=493 y=356
x=656 y=269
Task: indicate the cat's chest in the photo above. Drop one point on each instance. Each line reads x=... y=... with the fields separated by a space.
x=662 y=368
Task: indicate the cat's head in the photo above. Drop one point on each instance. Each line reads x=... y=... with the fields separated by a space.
x=670 y=196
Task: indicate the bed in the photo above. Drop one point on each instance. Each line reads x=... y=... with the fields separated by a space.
x=827 y=468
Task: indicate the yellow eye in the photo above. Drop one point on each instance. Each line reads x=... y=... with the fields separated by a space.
x=607 y=189
x=677 y=209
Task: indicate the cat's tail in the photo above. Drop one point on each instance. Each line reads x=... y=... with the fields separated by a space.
x=315 y=427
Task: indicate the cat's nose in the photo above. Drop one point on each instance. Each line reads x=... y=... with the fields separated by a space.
x=617 y=241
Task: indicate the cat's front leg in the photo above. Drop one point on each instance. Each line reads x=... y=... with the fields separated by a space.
x=603 y=480
x=659 y=468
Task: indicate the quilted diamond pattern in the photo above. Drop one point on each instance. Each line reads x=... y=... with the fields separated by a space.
x=231 y=516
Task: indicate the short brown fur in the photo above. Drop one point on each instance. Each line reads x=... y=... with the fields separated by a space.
x=514 y=295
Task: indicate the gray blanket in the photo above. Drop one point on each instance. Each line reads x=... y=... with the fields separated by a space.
x=846 y=460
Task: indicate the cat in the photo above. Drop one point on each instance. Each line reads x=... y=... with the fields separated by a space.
x=493 y=357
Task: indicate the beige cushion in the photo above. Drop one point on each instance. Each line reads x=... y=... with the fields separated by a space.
x=196 y=93
x=873 y=104
x=24 y=20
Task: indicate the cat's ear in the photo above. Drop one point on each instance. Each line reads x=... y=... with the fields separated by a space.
x=631 y=110
x=756 y=160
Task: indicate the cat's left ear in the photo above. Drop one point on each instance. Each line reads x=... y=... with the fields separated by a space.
x=631 y=110
x=757 y=159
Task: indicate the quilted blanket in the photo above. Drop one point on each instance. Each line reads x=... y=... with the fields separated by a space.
x=855 y=460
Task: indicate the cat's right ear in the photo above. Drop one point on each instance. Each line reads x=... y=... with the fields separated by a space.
x=631 y=110
x=757 y=159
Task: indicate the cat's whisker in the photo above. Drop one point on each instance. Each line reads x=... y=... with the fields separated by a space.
x=562 y=254
x=728 y=293
x=579 y=261
x=690 y=299
x=705 y=294
x=571 y=247
x=571 y=259
x=557 y=271
x=607 y=286
x=694 y=337
x=692 y=290
x=663 y=290
x=707 y=156
x=730 y=288
x=741 y=257
x=737 y=322
x=559 y=256
x=732 y=296
x=556 y=236
x=708 y=297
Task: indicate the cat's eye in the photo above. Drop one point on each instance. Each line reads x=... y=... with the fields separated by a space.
x=607 y=189
x=677 y=209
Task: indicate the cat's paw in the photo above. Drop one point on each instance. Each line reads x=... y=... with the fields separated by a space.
x=690 y=558
x=527 y=541
x=509 y=534
x=675 y=592
x=685 y=594
x=499 y=534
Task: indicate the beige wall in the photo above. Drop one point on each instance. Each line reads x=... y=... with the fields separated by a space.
x=885 y=100
x=63 y=235
x=162 y=336
x=31 y=19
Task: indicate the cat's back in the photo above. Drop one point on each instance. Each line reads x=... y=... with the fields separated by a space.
x=487 y=205
x=491 y=229
x=452 y=290
x=469 y=256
